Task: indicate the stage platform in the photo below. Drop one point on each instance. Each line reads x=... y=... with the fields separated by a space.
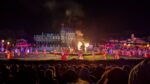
x=33 y=57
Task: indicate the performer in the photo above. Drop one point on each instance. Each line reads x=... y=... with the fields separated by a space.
x=98 y=50
x=80 y=55
x=104 y=54
x=148 y=53
x=18 y=52
x=93 y=54
x=22 y=50
x=117 y=54
x=122 y=52
x=26 y=52
x=2 y=48
x=62 y=51
x=45 y=52
x=8 y=54
x=110 y=51
x=129 y=53
x=36 y=51
x=133 y=52
x=125 y=52
x=73 y=50
x=139 y=52
x=54 y=52
x=30 y=50
x=63 y=56
x=145 y=54
x=67 y=53
x=12 y=54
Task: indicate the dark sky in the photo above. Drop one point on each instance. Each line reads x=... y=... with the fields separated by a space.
x=101 y=17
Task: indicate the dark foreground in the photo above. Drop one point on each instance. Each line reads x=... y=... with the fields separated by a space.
x=67 y=72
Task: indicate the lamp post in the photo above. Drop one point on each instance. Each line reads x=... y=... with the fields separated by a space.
x=148 y=45
x=8 y=44
x=2 y=49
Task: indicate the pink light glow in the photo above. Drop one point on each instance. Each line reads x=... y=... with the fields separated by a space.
x=22 y=44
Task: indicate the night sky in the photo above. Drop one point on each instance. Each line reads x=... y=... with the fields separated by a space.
x=96 y=18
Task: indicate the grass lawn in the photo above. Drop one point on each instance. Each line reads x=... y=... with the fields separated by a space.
x=58 y=57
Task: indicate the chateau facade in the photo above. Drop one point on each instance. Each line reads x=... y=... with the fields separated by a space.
x=64 y=38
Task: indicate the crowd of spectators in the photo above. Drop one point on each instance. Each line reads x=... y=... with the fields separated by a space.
x=75 y=72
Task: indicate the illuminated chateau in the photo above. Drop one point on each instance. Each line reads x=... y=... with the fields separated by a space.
x=64 y=38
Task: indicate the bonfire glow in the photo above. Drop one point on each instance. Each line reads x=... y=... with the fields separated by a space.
x=79 y=45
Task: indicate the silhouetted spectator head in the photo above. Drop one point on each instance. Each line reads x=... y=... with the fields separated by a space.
x=126 y=68
x=69 y=76
x=84 y=75
x=49 y=79
x=53 y=69
x=114 y=76
x=49 y=74
x=140 y=74
x=100 y=70
x=41 y=67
